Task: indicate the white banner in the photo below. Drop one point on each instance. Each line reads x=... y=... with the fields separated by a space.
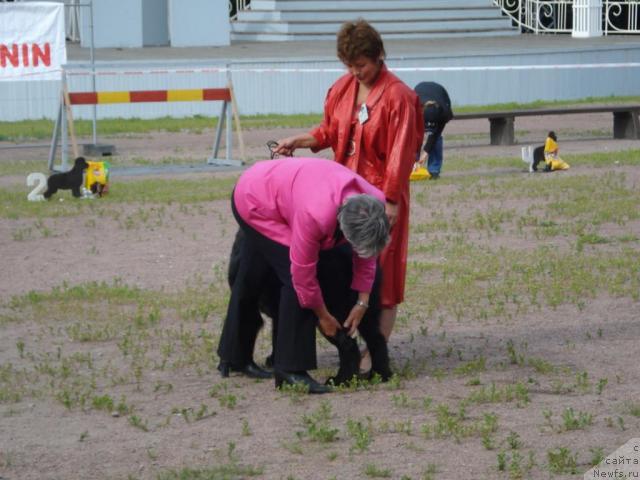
x=32 y=42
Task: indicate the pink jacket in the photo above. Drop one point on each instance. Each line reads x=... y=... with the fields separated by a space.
x=294 y=202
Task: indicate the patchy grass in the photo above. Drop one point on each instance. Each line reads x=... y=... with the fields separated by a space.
x=494 y=252
x=41 y=129
x=465 y=163
x=151 y=194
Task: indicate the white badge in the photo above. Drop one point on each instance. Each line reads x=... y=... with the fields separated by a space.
x=363 y=114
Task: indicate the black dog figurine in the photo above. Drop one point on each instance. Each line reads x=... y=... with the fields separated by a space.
x=538 y=156
x=71 y=180
x=334 y=275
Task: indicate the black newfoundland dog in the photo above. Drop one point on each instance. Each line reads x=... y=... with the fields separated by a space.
x=334 y=275
x=71 y=180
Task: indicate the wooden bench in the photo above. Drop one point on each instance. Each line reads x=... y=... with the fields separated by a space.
x=625 y=120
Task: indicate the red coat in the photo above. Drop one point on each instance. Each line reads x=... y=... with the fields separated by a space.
x=384 y=148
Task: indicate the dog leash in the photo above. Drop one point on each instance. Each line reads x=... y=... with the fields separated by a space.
x=272 y=145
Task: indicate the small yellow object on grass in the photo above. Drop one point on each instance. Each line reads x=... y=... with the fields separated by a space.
x=557 y=164
x=419 y=173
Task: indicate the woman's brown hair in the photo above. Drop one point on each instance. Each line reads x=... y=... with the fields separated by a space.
x=358 y=39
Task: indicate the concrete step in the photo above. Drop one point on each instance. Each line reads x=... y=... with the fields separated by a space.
x=283 y=37
x=331 y=27
x=363 y=4
x=281 y=20
x=369 y=15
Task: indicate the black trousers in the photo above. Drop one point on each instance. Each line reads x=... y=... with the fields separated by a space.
x=295 y=343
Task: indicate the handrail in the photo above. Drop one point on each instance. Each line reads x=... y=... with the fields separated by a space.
x=236 y=6
x=614 y=10
x=513 y=9
x=556 y=16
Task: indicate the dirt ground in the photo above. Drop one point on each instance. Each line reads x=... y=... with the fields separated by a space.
x=41 y=439
x=167 y=259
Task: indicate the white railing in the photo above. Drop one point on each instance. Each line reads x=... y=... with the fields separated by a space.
x=236 y=6
x=621 y=17
x=556 y=16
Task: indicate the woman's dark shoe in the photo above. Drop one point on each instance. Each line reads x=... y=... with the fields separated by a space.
x=223 y=368
x=300 y=378
x=250 y=370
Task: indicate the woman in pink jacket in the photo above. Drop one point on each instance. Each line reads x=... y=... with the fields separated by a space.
x=290 y=210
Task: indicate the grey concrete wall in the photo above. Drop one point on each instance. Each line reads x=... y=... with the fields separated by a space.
x=195 y=23
x=126 y=23
x=261 y=89
x=155 y=22
x=116 y=23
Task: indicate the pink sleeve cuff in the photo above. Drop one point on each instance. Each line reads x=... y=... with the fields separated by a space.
x=306 y=285
x=364 y=273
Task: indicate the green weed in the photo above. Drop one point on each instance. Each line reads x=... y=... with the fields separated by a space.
x=517 y=392
x=472 y=367
x=228 y=471
x=572 y=420
x=317 y=425
x=430 y=472
x=246 y=430
x=360 y=433
x=562 y=460
x=137 y=422
x=597 y=456
x=370 y=470
x=634 y=408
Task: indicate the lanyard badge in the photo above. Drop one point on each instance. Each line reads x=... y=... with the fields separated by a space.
x=363 y=114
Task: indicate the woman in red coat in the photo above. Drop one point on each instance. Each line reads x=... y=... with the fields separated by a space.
x=373 y=123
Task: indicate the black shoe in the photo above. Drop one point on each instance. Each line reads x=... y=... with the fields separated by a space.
x=300 y=378
x=434 y=176
x=250 y=370
x=223 y=368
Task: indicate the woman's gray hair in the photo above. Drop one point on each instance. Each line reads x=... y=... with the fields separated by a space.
x=364 y=224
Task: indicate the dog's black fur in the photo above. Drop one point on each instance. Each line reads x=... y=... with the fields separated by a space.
x=71 y=180
x=538 y=154
x=334 y=274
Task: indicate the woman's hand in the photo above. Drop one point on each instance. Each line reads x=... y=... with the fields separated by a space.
x=391 y=209
x=423 y=158
x=354 y=319
x=327 y=323
x=356 y=314
x=288 y=145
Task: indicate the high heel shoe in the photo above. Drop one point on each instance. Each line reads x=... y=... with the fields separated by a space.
x=300 y=378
